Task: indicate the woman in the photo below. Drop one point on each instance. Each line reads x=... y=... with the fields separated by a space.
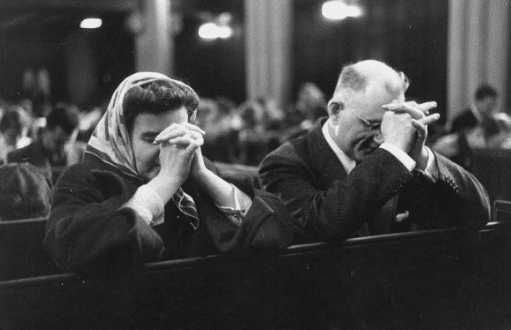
x=144 y=192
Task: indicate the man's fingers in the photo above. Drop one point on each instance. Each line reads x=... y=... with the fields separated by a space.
x=430 y=119
x=426 y=106
x=400 y=217
x=417 y=111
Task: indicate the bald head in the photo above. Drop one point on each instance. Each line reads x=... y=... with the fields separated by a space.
x=356 y=108
x=368 y=76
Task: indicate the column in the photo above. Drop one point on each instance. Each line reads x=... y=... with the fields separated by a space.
x=154 y=38
x=268 y=49
x=478 y=51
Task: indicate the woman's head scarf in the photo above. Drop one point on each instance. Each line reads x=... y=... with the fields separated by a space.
x=110 y=141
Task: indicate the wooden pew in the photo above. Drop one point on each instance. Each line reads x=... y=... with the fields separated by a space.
x=493 y=168
x=440 y=279
x=21 y=251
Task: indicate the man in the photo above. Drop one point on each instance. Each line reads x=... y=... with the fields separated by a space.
x=49 y=150
x=479 y=113
x=478 y=126
x=365 y=169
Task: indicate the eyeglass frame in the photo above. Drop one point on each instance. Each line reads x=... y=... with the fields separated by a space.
x=370 y=126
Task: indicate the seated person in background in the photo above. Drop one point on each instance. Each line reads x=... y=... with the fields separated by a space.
x=479 y=113
x=14 y=127
x=49 y=149
x=309 y=107
x=144 y=192
x=365 y=170
x=25 y=192
x=476 y=127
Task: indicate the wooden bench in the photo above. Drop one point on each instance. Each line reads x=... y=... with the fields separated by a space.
x=493 y=168
x=21 y=251
x=440 y=279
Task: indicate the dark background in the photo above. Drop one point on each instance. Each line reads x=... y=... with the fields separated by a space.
x=410 y=35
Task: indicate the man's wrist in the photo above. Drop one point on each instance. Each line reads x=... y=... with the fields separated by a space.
x=422 y=161
x=402 y=156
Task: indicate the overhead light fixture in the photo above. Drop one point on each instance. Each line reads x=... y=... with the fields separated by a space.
x=213 y=31
x=208 y=31
x=217 y=28
x=224 y=32
x=91 y=23
x=338 y=10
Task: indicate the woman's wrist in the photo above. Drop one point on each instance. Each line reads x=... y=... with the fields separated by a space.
x=202 y=177
x=165 y=186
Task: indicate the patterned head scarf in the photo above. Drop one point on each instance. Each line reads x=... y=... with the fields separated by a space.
x=110 y=141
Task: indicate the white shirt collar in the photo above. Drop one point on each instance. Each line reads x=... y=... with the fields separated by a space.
x=346 y=161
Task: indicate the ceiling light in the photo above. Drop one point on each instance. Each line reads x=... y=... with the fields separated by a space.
x=91 y=23
x=208 y=31
x=338 y=10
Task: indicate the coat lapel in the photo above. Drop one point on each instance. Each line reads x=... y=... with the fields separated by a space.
x=323 y=159
x=327 y=165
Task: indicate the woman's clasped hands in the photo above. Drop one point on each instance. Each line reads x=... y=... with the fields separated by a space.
x=180 y=150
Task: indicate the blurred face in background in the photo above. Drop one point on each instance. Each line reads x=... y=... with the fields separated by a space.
x=55 y=140
x=11 y=136
x=486 y=105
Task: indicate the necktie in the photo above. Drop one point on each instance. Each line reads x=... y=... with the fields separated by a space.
x=186 y=205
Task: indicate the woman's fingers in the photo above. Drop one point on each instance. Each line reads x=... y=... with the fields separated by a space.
x=185 y=141
x=172 y=131
x=178 y=130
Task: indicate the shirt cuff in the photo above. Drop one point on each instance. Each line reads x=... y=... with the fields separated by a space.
x=402 y=156
x=241 y=205
x=431 y=170
x=148 y=205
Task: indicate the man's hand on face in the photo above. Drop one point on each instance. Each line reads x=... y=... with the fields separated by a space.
x=397 y=130
x=178 y=144
x=418 y=118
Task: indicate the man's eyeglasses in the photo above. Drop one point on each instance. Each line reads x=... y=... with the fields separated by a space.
x=369 y=125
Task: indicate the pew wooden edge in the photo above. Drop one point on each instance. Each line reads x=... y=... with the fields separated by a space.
x=302 y=249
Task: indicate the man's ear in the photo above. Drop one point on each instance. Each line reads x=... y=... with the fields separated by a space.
x=334 y=109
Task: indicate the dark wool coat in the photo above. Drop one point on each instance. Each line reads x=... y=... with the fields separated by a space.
x=89 y=230
x=328 y=204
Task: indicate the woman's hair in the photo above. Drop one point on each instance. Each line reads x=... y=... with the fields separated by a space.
x=158 y=97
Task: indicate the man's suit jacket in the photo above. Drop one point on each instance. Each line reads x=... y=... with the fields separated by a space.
x=328 y=204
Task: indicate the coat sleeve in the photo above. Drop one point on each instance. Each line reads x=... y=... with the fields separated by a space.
x=267 y=225
x=88 y=229
x=337 y=211
x=461 y=195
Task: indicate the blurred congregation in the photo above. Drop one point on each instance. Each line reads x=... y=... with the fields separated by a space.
x=262 y=83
